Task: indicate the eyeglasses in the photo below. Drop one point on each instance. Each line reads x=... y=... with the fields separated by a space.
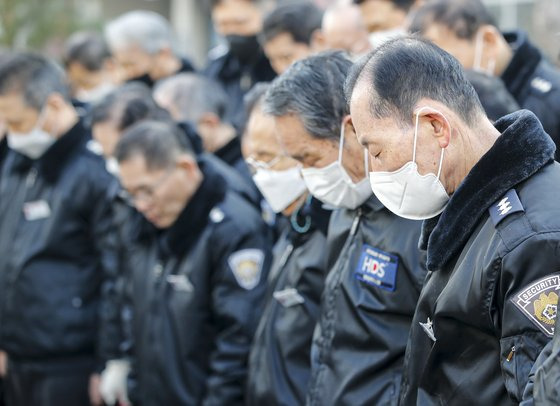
x=146 y=193
x=255 y=165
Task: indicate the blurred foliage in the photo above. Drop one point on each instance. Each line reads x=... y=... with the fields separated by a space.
x=32 y=23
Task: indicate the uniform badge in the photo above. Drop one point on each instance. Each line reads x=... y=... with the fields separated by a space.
x=288 y=297
x=246 y=266
x=377 y=268
x=507 y=205
x=37 y=210
x=428 y=327
x=539 y=302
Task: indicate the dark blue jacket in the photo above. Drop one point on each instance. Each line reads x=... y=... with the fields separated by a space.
x=57 y=252
x=280 y=361
x=370 y=294
x=534 y=83
x=197 y=291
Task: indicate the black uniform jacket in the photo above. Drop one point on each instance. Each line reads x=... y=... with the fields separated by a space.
x=197 y=292
x=367 y=306
x=489 y=302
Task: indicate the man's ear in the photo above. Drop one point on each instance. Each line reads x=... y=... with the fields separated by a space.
x=317 y=43
x=440 y=126
x=56 y=101
x=187 y=162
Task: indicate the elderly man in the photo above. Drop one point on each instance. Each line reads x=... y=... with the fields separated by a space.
x=142 y=44
x=57 y=251
x=375 y=270
x=200 y=258
x=489 y=194
x=343 y=28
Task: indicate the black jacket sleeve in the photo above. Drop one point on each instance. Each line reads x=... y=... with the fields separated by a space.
x=239 y=287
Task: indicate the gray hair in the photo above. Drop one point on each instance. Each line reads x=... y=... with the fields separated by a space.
x=402 y=71
x=159 y=143
x=312 y=89
x=192 y=96
x=32 y=76
x=145 y=29
x=89 y=49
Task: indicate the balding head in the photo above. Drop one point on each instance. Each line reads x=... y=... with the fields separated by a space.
x=343 y=28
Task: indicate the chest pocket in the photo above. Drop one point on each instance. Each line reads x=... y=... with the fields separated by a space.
x=377 y=268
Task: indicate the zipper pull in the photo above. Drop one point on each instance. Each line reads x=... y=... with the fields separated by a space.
x=511 y=354
x=356 y=222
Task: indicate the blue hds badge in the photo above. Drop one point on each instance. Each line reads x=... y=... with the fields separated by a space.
x=377 y=268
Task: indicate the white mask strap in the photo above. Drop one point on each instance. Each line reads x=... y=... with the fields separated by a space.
x=366 y=162
x=341 y=143
x=478 y=48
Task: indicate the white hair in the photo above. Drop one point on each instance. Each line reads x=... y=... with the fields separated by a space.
x=146 y=29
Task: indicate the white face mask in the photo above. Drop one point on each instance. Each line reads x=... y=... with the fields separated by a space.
x=478 y=50
x=280 y=188
x=95 y=94
x=332 y=184
x=34 y=143
x=407 y=193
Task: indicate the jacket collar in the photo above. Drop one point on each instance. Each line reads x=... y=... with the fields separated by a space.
x=52 y=162
x=195 y=216
x=521 y=150
x=525 y=60
x=231 y=152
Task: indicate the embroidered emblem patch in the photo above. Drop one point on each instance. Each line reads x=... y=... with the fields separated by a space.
x=36 y=210
x=377 y=268
x=246 y=266
x=508 y=204
x=539 y=302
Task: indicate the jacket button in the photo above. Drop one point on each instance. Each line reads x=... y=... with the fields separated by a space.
x=77 y=302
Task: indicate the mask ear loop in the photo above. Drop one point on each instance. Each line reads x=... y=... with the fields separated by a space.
x=341 y=143
x=416 y=137
x=366 y=162
x=477 y=64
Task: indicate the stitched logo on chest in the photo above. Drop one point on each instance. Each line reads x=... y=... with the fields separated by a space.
x=539 y=302
x=377 y=268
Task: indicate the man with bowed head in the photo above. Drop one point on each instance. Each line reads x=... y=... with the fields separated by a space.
x=375 y=268
x=489 y=196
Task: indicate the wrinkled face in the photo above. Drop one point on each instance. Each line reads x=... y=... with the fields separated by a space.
x=261 y=147
x=18 y=117
x=282 y=51
x=381 y=15
x=237 y=17
x=461 y=48
x=159 y=194
x=313 y=152
x=107 y=135
x=389 y=144
x=133 y=62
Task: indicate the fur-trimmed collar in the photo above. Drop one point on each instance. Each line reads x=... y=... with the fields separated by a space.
x=521 y=150
x=525 y=60
x=53 y=161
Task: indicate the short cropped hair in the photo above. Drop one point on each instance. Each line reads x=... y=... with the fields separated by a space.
x=126 y=105
x=194 y=95
x=312 y=89
x=402 y=4
x=146 y=29
x=89 y=49
x=159 y=143
x=34 y=77
x=463 y=17
x=404 y=70
x=300 y=20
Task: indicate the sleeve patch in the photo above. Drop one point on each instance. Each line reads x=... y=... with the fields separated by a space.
x=377 y=268
x=538 y=302
x=246 y=266
x=506 y=206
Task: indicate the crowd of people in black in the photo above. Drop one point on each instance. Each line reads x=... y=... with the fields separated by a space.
x=349 y=206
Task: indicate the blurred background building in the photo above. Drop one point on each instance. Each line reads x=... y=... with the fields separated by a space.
x=44 y=25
